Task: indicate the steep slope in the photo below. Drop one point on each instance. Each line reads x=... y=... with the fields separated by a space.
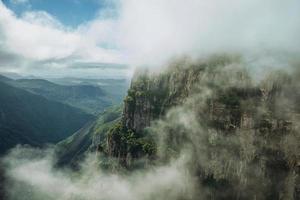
x=89 y=138
x=150 y=97
x=26 y=118
x=241 y=134
x=235 y=134
x=5 y=79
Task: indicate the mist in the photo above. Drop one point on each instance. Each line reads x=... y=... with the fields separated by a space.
x=153 y=32
x=191 y=151
x=149 y=33
x=31 y=175
x=263 y=39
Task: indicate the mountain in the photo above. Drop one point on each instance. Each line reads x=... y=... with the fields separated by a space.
x=239 y=131
x=92 y=99
x=11 y=75
x=89 y=138
x=27 y=118
x=89 y=98
x=5 y=79
x=115 y=88
x=239 y=134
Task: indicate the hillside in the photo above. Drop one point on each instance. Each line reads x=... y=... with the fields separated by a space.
x=84 y=94
x=26 y=118
x=206 y=129
x=240 y=134
x=89 y=98
x=115 y=88
x=88 y=139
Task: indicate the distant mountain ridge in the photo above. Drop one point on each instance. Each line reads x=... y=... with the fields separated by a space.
x=89 y=98
x=27 y=118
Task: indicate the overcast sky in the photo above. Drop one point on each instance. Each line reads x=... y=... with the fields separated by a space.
x=107 y=38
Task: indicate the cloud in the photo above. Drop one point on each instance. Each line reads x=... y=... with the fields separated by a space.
x=42 y=18
x=154 y=31
x=91 y=182
x=141 y=32
x=90 y=65
x=37 y=36
x=200 y=155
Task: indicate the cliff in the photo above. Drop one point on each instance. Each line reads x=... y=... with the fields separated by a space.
x=242 y=134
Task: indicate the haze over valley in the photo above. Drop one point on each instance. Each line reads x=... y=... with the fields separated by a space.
x=143 y=100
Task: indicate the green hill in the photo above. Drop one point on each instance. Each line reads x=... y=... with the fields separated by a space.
x=89 y=138
x=26 y=118
x=91 y=99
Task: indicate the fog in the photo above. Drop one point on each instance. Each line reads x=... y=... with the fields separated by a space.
x=190 y=151
x=31 y=175
x=265 y=34
x=153 y=32
x=142 y=32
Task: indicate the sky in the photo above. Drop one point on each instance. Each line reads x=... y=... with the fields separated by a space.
x=59 y=38
x=69 y=12
x=110 y=38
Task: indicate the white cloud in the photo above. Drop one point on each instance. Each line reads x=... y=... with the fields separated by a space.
x=151 y=32
x=41 y=18
x=170 y=181
x=37 y=35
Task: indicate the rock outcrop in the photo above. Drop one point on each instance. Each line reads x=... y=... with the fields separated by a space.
x=244 y=127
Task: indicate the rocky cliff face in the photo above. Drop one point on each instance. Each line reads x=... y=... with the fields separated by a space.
x=148 y=99
x=242 y=133
x=151 y=95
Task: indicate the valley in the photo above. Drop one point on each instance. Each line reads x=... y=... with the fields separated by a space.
x=149 y=100
x=229 y=136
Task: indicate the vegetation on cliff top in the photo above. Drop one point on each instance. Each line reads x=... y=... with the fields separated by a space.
x=232 y=126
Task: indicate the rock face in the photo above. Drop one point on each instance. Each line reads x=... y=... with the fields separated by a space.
x=150 y=96
x=148 y=99
x=237 y=127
